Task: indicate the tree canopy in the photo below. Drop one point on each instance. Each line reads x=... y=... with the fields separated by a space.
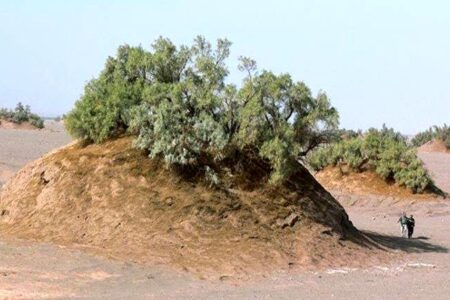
x=176 y=100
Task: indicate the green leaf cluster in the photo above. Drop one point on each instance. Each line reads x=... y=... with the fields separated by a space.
x=178 y=104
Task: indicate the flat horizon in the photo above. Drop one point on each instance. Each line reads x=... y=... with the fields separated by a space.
x=379 y=61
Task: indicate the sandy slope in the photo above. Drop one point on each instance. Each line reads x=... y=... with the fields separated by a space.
x=435 y=146
x=45 y=271
x=438 y=164
x=436 y=157
x=33 y=270
x=367 y=183
x=113 y=198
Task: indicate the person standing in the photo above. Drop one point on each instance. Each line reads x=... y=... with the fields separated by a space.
x=403 y=224
x=410 y=225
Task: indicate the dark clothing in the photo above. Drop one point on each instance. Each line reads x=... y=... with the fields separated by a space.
x=410 y=225
x=403 y=220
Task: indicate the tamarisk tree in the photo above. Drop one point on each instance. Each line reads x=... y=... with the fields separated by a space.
x=177 y=102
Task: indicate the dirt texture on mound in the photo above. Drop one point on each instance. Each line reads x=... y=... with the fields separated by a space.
x=5 y=174
x=436 y=157
x=113 y=200
x=365 y=183
x=433 y=146
x=11 y=125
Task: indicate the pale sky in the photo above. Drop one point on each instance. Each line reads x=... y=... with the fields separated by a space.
x=380 y=61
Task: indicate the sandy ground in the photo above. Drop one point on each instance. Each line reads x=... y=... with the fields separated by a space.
x=33 y=271
x=29 y=270
x=17 y=147
x=438 y=164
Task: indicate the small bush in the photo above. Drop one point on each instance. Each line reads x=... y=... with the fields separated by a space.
x=36 y=122
x=321 y=157
x=447 y=141
x=103 y=110
x=384 y=151
x=21 y=114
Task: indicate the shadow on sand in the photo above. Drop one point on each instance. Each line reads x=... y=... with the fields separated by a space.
x=388 y=242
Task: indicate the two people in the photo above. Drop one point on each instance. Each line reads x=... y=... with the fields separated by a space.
x=407 y=225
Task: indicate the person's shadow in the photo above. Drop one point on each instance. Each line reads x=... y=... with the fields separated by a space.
x=388 y=242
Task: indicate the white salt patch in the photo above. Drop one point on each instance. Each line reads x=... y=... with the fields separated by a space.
x=337 y=271
x=421 y=265
x=340 y=271
x=382 y=268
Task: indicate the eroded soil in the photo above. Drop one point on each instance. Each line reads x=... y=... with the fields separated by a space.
x=36 y=270
x=30 y=270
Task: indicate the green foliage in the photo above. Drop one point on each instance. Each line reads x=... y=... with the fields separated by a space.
x=178 y=104
x=411 y=172
x=21 y=114
x=422 y=138
x=37 y=122
x=103 y=110
x=447 y=141
x=323 y=156
x=352 y=153
x=443 y=133
x=384 y=151
x=435 y=132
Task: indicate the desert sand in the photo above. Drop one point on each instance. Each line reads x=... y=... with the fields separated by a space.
x=32 y=270
x=420 y=271
x=19 y=146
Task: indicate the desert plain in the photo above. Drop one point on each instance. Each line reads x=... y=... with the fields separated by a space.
x=418 y=268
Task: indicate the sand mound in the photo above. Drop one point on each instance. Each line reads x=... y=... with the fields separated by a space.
x=11 y=125
x=434 y=146
x=5 y=174
x=113 y=200
x=365 y=183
